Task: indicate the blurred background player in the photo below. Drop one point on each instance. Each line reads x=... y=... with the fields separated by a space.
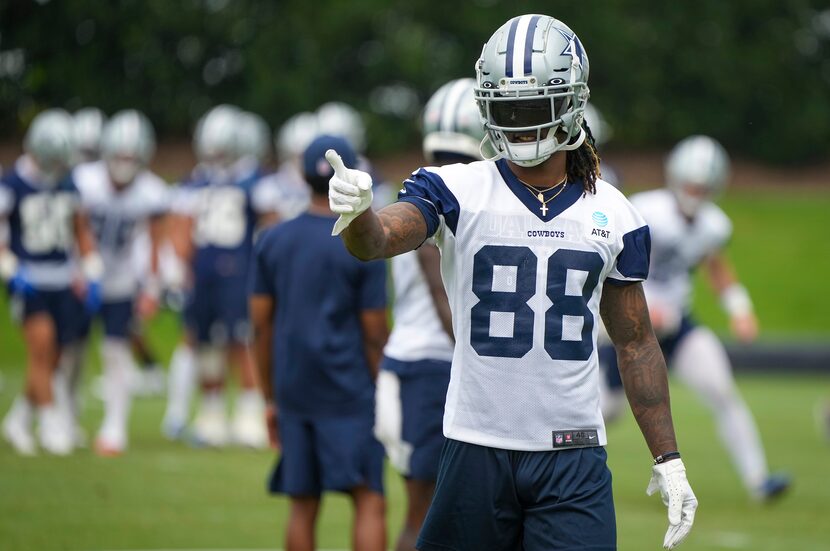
x=688 y=230
x=47 y=229
x=88 y=124
x=217 y=213
x=285 y=189
x=319 y=320
x=602 y=133
x=123 y=199
x=254 y=146
x=415 y=372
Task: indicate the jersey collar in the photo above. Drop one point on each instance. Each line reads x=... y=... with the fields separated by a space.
x=571 y=194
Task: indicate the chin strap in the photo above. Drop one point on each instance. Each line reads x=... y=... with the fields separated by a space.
x=576 y=143
x=533 y=162
x=484 y=141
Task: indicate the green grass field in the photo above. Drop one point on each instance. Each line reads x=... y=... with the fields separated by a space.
x=165 y=495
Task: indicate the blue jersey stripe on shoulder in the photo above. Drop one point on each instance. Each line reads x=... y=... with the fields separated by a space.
x=633 y=260
x=425 y=187
x=428 y=210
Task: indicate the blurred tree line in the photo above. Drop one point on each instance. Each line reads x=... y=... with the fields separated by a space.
x=755 y=74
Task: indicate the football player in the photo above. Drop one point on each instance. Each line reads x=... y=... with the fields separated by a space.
x=602 y=133
x=285 y=189
x=415 y=372
x=123 y=198
x=217 y=213
x=689 y=230
x=534 y=247
x=40 y=202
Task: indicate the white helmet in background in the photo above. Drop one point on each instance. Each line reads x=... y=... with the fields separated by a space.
x=254 y=136
x=532 y=87
x=127 y=145
x=336 y=118
x=89 y=125
x=295 y=135
x=50 y=142
x=697 y=169
x=215 y=138
x=600 y=129
x=452 y=124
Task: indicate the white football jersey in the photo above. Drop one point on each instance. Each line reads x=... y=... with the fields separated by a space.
x=678 y=246
x=117 y=218
x=524 y=284
x=417 y=333
x=284 y=192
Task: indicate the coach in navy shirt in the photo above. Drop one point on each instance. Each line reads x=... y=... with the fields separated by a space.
x=319 y=318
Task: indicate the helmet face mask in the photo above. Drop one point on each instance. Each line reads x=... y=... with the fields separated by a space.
x=532 y=88
x=50 y=143
x=89 y=126
x=51 y=170
x=215 y=139
x=123 y=169
x=127 y=145
x=697 y=170
x=254 y=136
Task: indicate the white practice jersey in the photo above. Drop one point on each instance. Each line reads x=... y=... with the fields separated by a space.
x=118 y=217
x=524 y=288
x=678 y=246
x=417 y=333
x=284 y=192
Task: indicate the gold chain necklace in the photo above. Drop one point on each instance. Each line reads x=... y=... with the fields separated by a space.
x=540 y=194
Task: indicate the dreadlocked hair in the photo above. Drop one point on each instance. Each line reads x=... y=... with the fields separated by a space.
x=582 y=163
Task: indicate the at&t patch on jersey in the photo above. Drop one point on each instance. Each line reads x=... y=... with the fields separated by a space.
x=601 y=227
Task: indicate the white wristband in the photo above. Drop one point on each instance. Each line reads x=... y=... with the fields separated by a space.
x=152 y=287
x=8 y=264
x=92 y=266
x=174 y=274
x=735 y=300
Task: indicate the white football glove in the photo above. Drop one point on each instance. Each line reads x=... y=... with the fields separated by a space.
x=670 y=479
x=350 y=192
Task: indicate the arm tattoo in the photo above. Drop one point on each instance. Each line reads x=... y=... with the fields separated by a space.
x=396 y=229
x=642 y=367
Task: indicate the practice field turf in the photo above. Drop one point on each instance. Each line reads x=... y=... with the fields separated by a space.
x=165 y=495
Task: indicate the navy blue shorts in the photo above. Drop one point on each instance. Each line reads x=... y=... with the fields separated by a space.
x=423 y=392
x=608 y=355
x=492 y=499
x=217 y=310
x=116 y=317
x=63 y=306
x=327 y=454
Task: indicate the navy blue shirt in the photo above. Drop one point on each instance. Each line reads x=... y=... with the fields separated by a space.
x=41 y=217
x=224 y=222
x=319 y=362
